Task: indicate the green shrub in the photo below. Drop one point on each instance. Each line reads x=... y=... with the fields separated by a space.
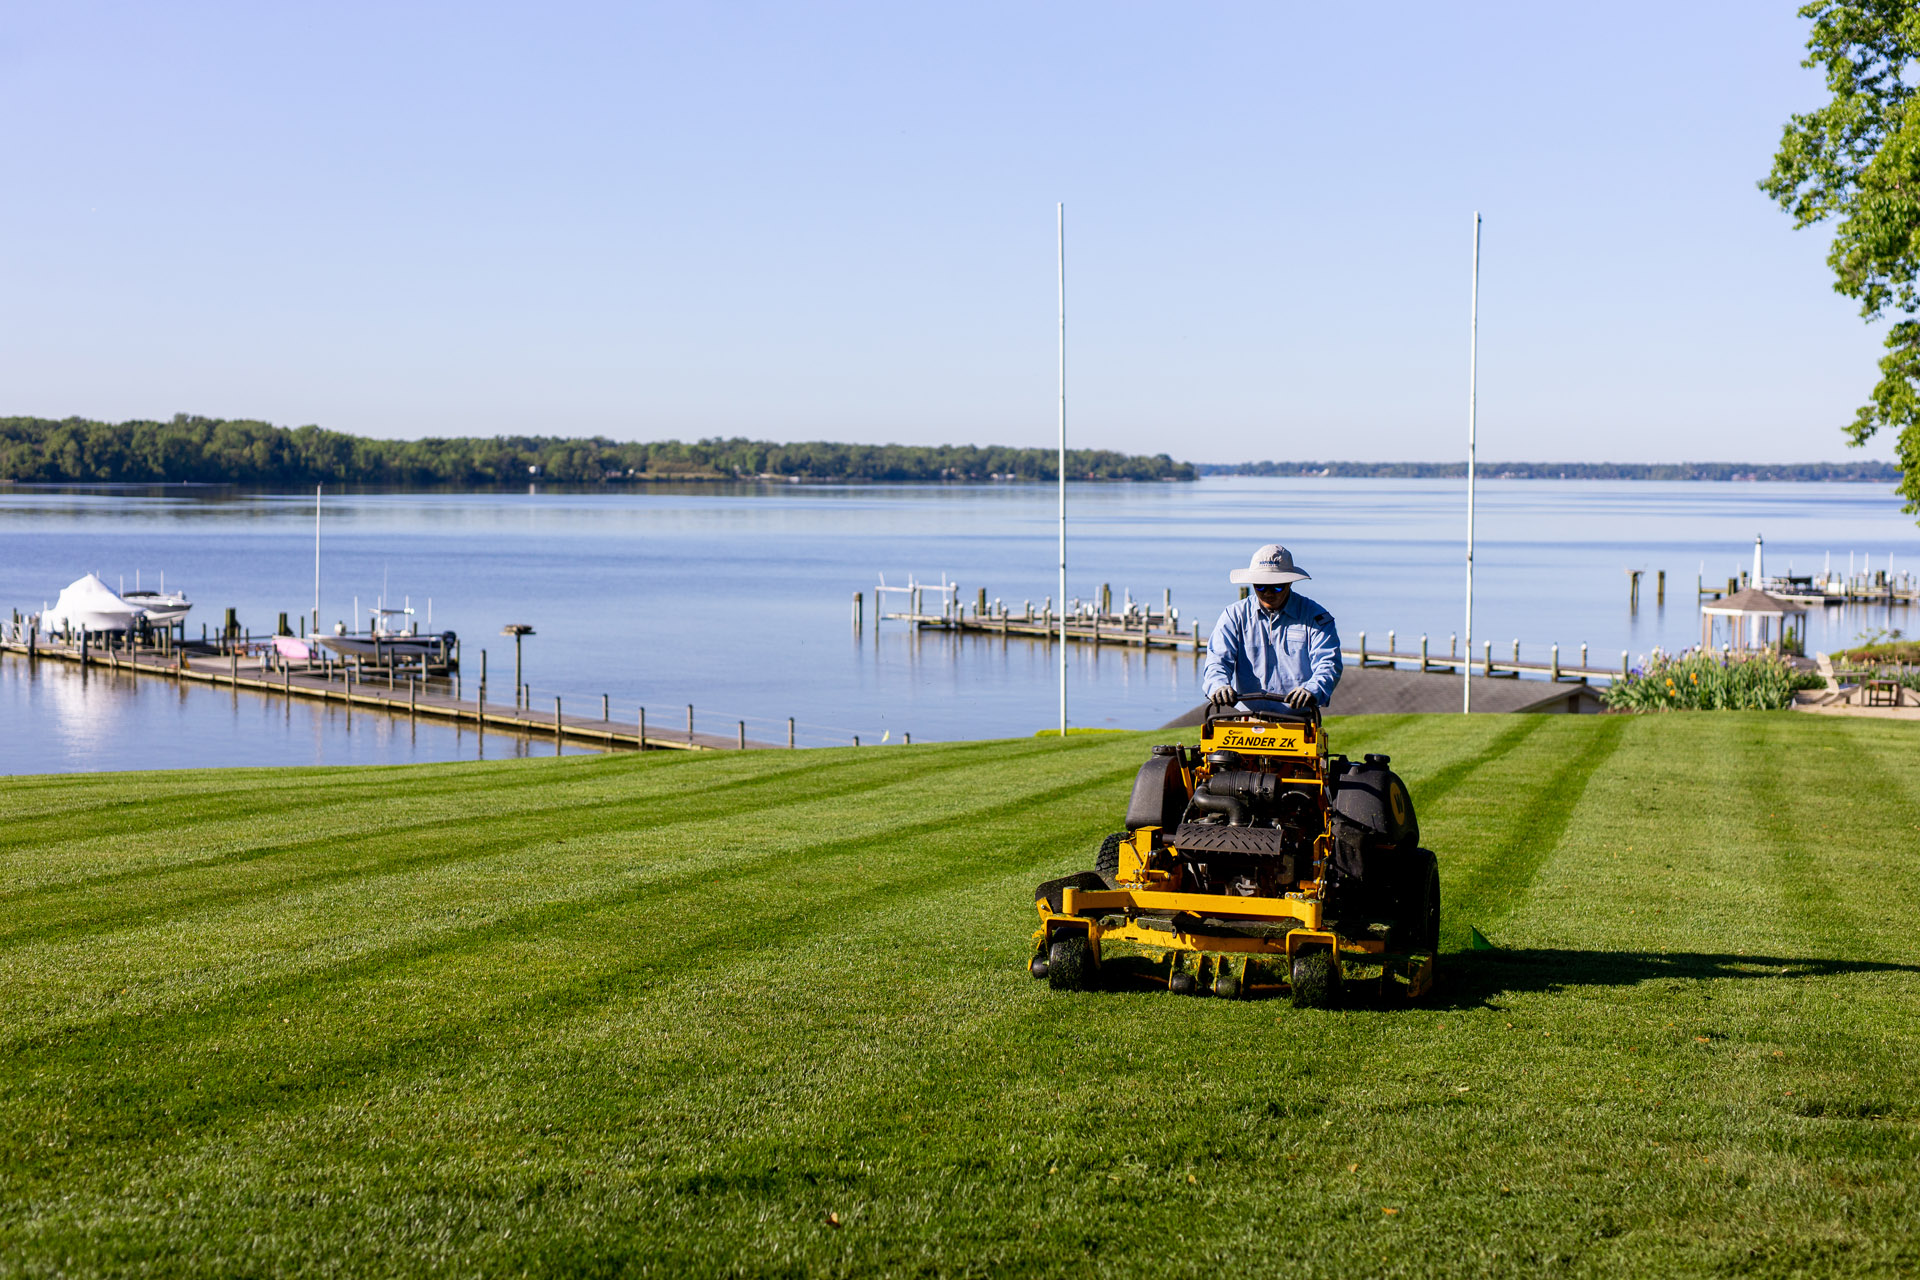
x=1700 y=681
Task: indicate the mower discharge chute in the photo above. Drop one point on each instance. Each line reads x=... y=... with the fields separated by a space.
x=1253 y=863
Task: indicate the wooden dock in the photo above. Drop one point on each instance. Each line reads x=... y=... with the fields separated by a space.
x=1158 y=628
x=386 y=693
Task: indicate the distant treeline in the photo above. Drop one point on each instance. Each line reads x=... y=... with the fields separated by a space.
x=222 y=451
x=1879 y=472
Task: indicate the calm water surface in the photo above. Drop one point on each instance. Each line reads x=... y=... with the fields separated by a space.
x=736 y=599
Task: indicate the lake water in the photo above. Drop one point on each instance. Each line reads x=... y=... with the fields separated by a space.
x=736 y=598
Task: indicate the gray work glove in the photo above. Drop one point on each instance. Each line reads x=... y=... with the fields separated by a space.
x=1224 y=696
x=1299 y=699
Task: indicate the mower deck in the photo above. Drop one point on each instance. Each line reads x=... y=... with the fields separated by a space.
x=1227 y=946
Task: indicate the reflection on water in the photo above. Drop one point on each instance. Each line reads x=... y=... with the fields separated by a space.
x=736 y=598
x=62 y=719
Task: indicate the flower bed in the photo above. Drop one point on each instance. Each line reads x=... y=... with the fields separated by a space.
x=1702 y=681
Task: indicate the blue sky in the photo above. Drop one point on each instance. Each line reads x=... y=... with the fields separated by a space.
x=837 y=221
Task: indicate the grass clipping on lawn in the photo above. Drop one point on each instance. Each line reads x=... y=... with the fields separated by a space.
x=768 y=1013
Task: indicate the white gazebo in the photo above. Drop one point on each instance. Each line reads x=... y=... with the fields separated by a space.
x=1755 y=620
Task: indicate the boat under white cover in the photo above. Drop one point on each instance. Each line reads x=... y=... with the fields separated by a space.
x=89 y=605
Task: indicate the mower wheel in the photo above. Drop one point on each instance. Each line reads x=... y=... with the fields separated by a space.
x=1106 y=864
x=1070 y=964
x=1181 y=984
x=1419 y=927
x=1316 y=985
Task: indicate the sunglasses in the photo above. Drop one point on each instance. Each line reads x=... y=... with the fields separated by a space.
x=1270 y=588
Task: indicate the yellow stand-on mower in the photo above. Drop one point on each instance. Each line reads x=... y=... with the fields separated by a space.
x=1253 y=864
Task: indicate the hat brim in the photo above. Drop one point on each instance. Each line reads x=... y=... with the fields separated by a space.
x=1265 y=577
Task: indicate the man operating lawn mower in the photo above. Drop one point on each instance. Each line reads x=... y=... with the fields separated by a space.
x=1274 y=640
x=1255 y=860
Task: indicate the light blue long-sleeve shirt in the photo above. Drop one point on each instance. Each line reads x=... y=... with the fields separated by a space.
x=1295 y=647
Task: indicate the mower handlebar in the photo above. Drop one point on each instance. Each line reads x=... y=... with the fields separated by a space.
x=1309 y=714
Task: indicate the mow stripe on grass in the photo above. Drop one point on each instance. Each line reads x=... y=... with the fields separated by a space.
x=1484 y=888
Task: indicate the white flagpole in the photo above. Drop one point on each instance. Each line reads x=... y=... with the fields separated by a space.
x=1473 y=370
x=316 y=558
x=1060 y=213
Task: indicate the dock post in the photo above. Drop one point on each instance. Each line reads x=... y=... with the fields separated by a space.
x=1625 y=668
x=604 y=709
x=641 y=736
x=1556 y=662
x=286 y=680
x=743 y=735
x=1583 y=655
x=1106 y=597
x=1393 y=646
x=789 y=733
x=1423 y=653
x=1196 y=637
x=1660 y=589
x=1363 y=648
x=857 y=602
x=689 y=724
x=233 y=665
x=413 y=697
x=1516 y=655
x=980 y=605
x=1487 y=670
x=559 y=729
x=1166 y=602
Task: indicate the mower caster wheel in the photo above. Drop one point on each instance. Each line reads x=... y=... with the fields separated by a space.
x=1070 y=964
x=1181 y=984
x=1226 y=986
x=1316 y=985
x=1038 y=966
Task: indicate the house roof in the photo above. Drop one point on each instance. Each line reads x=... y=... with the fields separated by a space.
x=1389 y=691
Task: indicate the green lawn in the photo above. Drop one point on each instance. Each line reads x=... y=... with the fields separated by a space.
x=768 y=1013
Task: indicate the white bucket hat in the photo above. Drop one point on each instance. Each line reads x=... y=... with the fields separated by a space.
x=1271 y=565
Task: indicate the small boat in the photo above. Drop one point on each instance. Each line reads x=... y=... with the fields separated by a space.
x=161 y=608
x=393 y=634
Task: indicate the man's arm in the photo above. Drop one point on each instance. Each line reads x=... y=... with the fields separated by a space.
x=1223 y=655
x=1323 y=656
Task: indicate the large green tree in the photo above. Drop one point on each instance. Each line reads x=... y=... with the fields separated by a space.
x=1856 y=160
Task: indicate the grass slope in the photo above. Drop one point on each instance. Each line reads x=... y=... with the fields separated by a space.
x=675 y=1015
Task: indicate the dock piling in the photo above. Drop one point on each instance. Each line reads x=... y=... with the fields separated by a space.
x=605 y=713
x=640 y=737
x=789 y=733
x=689 y=724
x=743 y=735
